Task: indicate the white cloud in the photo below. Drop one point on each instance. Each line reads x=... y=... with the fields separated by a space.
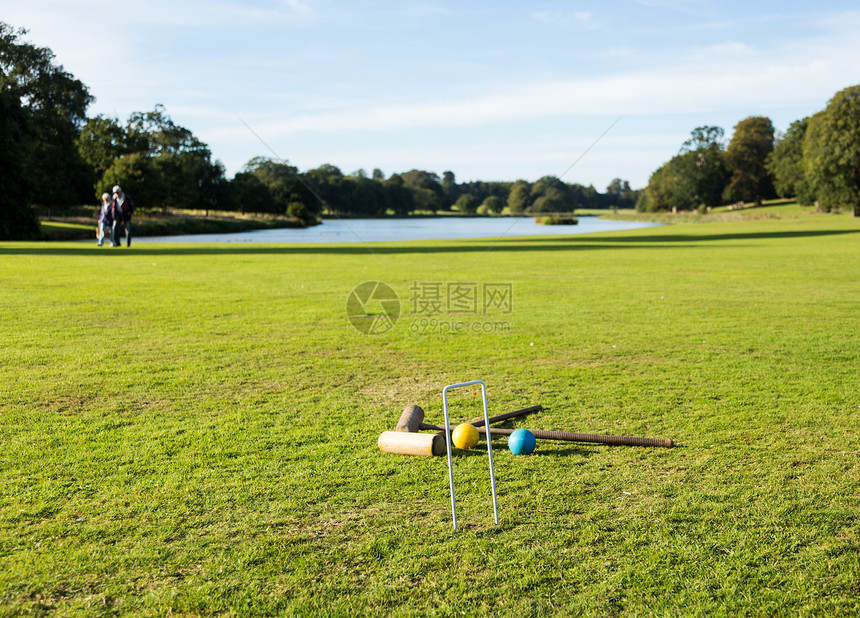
x=672 y=90
x=681 y=6
x=567 y=19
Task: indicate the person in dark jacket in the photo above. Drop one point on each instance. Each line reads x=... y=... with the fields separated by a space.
x=122 y=207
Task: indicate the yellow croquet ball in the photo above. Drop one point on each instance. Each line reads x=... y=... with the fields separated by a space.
x=464 y=436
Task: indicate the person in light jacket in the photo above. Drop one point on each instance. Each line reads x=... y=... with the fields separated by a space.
x=105 y=220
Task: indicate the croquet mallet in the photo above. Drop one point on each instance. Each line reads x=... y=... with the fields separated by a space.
x=406 y=439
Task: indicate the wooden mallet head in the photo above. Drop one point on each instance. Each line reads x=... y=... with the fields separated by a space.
x=405 y=438
x=411 y=419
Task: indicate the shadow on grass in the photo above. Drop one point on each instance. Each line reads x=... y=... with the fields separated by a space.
x=543 y=450
x=531 y=243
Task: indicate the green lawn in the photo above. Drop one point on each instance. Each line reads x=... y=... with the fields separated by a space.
x=191 y=429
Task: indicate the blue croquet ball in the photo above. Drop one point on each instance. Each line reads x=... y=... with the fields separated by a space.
x=521 y=442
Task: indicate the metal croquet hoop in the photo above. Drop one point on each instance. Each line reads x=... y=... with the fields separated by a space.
x=448 y=445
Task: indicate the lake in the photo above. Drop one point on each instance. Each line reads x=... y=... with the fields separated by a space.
x=417 y=228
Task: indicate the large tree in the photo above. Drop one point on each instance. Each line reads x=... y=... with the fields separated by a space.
x=695 y=177
x=786 y=164
x=705 y=164
x=174 y=166
x=747 y=155
x=670 y=187
x=832 y=151
x=17 y=220
x=57 y=104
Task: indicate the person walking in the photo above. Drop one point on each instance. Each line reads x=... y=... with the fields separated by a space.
x=122 y=207
x=105 y=220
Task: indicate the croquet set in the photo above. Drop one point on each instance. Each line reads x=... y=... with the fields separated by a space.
x=407 y=439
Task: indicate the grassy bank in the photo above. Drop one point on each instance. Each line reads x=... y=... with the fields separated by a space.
x=196 y=433
x=770 y=209
x=81 y=224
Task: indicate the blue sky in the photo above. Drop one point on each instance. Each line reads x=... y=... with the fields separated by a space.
x=489 y=90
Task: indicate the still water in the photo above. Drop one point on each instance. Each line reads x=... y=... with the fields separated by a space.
x=430 y=228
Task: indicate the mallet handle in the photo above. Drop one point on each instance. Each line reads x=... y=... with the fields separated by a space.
x=569 y=436
x=479 y=421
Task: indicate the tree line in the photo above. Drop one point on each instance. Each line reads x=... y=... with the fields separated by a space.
x=54 y=156
x=816 y=161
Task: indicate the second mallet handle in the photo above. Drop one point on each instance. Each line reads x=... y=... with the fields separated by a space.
x=479 y=422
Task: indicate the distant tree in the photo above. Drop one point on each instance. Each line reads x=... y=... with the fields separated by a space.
x=299 y=211
x=449 y=187
x=746 y=156
x=56 y=103
x=286 y=185
x=427 y=190
x=670 y=187
x=139 y=176
x=420 y=179
x=588 y=197
x=618 y=195
x=550 y=194
x=400 y=198
x=155 y=133
x=365 y=196
x=212 y=191
x=327 y=181
x=832 y=151
x=427 y=200
x=466 y=203
x=703 y=159
x=786 y=164
x=519 y=198
x=102 y=140
x=17 y=220
x=553 y=199
x=378 y=174
x=618 y=187
x=703 y=138
x=191 y=179
x=491 y=205
x=482 y=189
x=250 y=194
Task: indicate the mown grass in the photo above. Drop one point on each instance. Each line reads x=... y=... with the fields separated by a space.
x=191 y=429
